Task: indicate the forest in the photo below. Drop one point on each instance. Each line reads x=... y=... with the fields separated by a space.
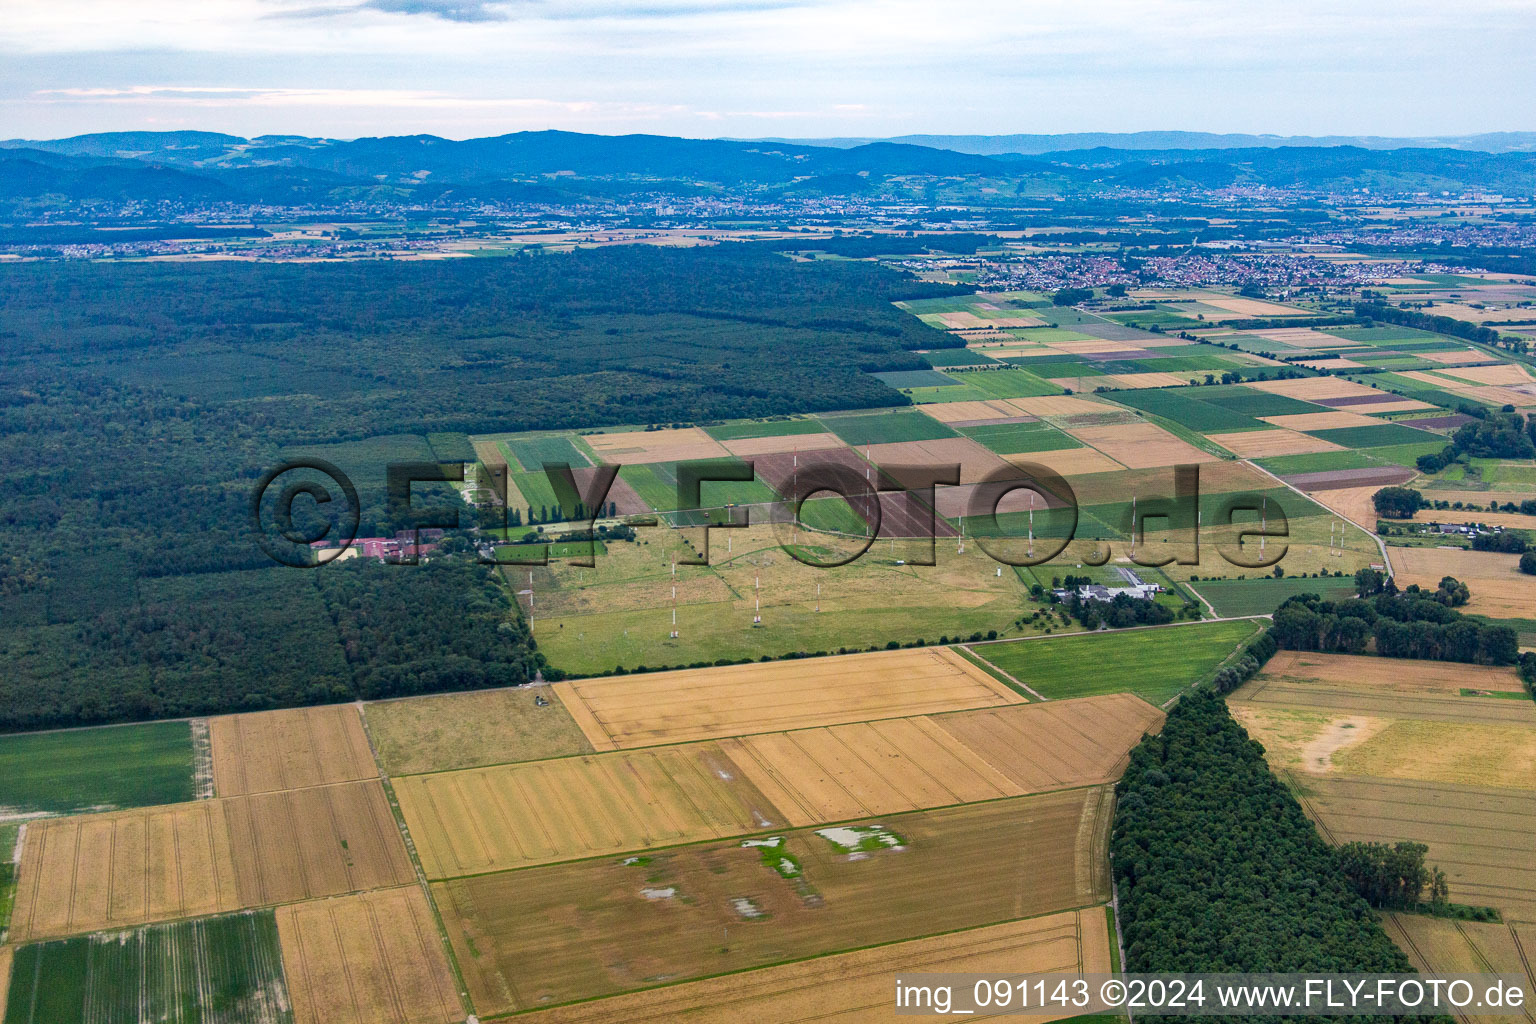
x=1412 y=624
x=1218 y=869
x=140 y=403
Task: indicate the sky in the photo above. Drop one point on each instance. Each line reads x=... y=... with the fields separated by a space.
x=755 y=68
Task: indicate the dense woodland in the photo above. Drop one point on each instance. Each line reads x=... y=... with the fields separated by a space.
x=1415 y=623
x=1218 y=869
x=140 y=403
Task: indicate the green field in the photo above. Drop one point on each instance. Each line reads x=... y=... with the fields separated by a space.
x=1155 y=664
x=1253 y=402
x=1264 y=595
x=219 y=970
x=883 y=427
x=1011 y=383
x=900 y=379
x=1184 y=407
x=1386 y=435
x=765 y=428
x=89 y=769
x=656 y=483
x=532 y=453
x=1014 y=438
x=1317 y=462
x=941 y=357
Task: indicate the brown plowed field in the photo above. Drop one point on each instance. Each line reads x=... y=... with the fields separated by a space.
x=1481 y=836
x=276 y=750
x=310 y=843
x=672 y=707
x=601 y=927
x=86 y=873
x=375 y=958
x=849 y=987
x=489 y=819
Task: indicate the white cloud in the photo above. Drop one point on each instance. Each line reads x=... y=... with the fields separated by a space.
x=806 y=66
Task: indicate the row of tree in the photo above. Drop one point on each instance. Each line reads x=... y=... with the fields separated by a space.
x=1412 y=624
x=1217 y=868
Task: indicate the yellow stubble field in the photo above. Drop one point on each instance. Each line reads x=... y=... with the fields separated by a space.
x=566 y=932
x=519 y=815
x=849 y=987
x=277 y=750
x=96 y=871
x=673 y=707
x=89 y=872
x=373 y=958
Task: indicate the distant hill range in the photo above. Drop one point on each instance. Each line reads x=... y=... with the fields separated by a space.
x=1035 y=145
x=565 y=167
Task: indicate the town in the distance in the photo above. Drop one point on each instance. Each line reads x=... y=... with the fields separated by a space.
x=565 y=577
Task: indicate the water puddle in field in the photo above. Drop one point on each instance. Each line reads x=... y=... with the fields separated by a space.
x=746 y=908
x=859 y=841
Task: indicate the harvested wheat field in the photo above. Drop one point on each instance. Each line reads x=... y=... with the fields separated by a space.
x=1342 y=700
x=1312 y=389
x=1460 y=355
x=1481 y=836
x=601 y=927
x=309 y=843
x=97 y=871
x=1252 y=307
x=1058 y=405
x=672 y=707
x=1262 y=444
x=1322 y=421
x=376 y=958
x=1070 y=461
x=467 y=730
x=868 y=768
x=848 y=987
x=1141 y=445
x=490 y=819
x=975 y=462
x=965 y=412
x=1357 y=505
x=1498 y=587
x=1376 y=746
x=275 y=750
x=5 y=976
x=1389 y=674
x=1502 y=374
x=1438 y=946
x=747 y=447
x=639 y=446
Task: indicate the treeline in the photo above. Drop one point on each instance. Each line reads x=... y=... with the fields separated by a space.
x=247 y=641
x=1437 y=324
x=1411 y=624
x=1217 y=868
x=1494 y=435
x=446 y=624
